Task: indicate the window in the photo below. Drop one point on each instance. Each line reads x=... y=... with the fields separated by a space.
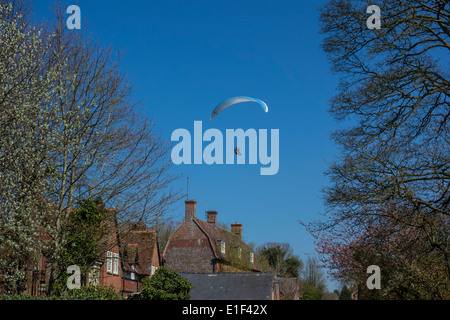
x=132 y=276
x=239 y=252
x=222 y=246
x=252 y=257
x=116 y=263
x=112 y=262
x=109 y=261
x=154 y=270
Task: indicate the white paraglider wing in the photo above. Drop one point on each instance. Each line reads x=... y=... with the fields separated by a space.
x=229 y=102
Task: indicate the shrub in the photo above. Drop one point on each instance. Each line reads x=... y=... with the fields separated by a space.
x=165 y=285
x=23 y=297
x=84 y=293
x=92 y=293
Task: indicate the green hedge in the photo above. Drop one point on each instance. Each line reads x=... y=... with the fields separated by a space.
x=85 y=293
x=23 y=297
x=93 y=293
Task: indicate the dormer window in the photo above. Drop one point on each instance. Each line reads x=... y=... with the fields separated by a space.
x=222 y=246
x=252 y=257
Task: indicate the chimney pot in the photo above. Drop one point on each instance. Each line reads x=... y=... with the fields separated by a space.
x=236 y=228
x=211 y=217
x=190 y=210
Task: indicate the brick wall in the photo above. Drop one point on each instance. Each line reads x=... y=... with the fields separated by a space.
x=130 y=286
x=188 y=250
x=107 y=279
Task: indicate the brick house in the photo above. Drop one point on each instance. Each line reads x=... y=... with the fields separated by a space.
x=140 y=257
x=126 y=258
x=199 y=246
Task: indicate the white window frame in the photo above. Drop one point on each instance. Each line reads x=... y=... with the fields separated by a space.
x=153 y=270
x=109 y=256
x=252 y=257
x=239 y=252
x=115 y=263
x=222 y=246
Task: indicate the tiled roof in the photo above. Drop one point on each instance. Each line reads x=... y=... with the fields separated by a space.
x=232 y=242
x=138 y=250
x=230 y=286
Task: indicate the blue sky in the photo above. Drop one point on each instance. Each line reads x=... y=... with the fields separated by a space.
x=184 y=57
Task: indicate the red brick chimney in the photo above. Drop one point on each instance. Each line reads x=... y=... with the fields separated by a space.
x=190 y=211
x=211 y=217
x=236 y=228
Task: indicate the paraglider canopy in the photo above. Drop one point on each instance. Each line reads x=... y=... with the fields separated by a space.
x=229 y=102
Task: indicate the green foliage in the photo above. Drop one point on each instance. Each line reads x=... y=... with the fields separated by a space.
x=93 y=293
x=345 y=294
x=292 y=267
x=314 y=280
x=59 y=286
x=165 y=285
x=312 y=292
x=85 y=293
x=84 y=232
x=279 y=258
x=23 y=297
x=237 y=254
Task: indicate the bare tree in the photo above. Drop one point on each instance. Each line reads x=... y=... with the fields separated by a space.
x=105 y=148
x=313 y=274
x=394 y=92
x=70 y=131
x=289 y=288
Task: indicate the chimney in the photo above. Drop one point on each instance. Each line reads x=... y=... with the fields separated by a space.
x=190 y=210
x=212 y=217
x=236 y=228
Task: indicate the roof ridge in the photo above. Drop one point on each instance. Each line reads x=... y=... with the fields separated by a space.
x=207 y=236
x=229 y=273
